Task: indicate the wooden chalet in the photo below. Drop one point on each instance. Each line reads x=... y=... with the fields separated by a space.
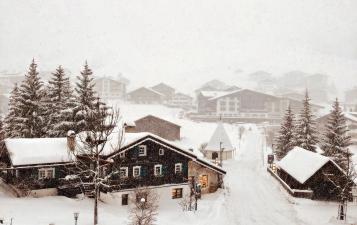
x=35 y=163
x=45 y=165
x=145 y=95
x=306 y=173
x=243 y=105
x=155 y=125
x=165 y=90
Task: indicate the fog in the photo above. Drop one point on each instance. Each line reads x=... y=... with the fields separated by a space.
x=183 y=43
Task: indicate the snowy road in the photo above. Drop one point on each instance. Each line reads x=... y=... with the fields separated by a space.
x=253 y=197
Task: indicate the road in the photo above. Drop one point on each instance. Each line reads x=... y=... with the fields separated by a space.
x=253 y=196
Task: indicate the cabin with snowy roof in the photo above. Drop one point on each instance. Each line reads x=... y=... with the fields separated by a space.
x=143 y=159
x=220 y=145
x=307 y=174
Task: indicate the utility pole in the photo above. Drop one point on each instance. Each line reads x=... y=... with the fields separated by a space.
x=221 y=153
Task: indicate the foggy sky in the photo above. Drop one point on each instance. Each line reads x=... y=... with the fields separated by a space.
x=175 y=41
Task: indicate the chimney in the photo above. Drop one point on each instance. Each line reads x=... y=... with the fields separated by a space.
x=190 y=149
x=71 y=140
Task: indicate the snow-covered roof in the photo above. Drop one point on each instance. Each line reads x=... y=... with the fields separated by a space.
x=301 y=164
x=132 y=138
x=27 y=151
x=219 y=139
x=32 y=151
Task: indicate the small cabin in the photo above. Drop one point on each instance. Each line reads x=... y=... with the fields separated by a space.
x=304 y=170
x=220 y=145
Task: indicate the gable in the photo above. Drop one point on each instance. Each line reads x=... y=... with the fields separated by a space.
x=169 y=146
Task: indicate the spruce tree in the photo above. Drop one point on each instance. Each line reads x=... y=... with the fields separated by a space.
x=336 y=140
x=285 y=139
x=305 y=132
x=12 y=119
x=85 y=99
x=31 y=118
x=60 y=104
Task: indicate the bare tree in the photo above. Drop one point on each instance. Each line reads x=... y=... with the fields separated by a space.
x=145 y=207
x=91 y=168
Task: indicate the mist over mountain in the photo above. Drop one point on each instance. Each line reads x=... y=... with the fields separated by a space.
x=183 y=43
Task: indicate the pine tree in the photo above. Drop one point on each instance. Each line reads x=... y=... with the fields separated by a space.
x=305 y=132
x=60 y=104
x=336 y=140
x=31 y=118
x=285 y=139
x=85 y=99
x=11 y=122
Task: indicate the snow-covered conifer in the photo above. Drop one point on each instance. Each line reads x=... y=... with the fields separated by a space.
x=285 y=139
x=31 y=108
x=11 y=121
x=336 y=140
x=60 y=104
x=305 y=132
x=85 y=98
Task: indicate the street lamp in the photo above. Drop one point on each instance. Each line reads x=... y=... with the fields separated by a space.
x=76 y=215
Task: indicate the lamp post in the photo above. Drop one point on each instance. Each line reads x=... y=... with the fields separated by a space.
x=76 y=215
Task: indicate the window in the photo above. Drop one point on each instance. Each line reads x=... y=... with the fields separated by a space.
x=161 y=151
x=123 y=172
x=46 y=173
x=158 y=170
x=204 y=181
x=176 y=193
x=178 y=167
x=124 y=199
x=136 y=171
x=142 y=150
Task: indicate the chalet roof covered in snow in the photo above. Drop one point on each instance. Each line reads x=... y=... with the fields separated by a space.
x=301 y=164
x=219 y=136
x=28 y=151
x=133 y=139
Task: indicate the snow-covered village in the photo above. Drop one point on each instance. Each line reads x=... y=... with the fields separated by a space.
x=242 y=112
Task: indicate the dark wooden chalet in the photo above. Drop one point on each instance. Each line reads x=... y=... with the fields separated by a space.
x=144 y=159
x=36 y=163
x=309 y=172
x=145 y=95
x=157 y=126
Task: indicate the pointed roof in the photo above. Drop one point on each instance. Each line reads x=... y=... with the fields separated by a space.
x=302 y=164
x=219 y=136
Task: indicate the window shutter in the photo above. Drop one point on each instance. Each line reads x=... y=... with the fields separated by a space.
x=143 y=171
x=184 y=168
x=164 y=170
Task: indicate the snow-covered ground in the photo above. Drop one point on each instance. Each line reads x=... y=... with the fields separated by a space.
x=251 y=195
